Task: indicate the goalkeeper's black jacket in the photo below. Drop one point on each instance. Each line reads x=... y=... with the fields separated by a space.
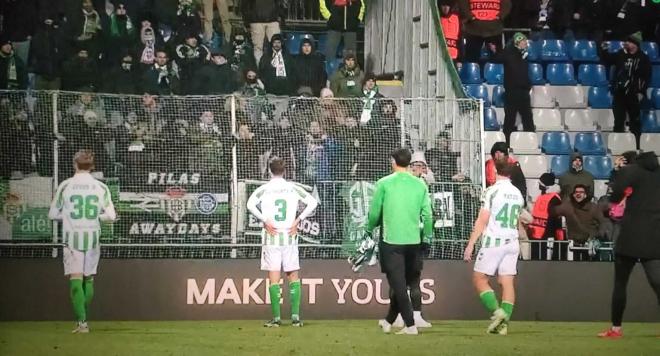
x=640 y=226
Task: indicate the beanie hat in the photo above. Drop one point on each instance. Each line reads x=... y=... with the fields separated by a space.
x=547 y=179
x=276 y=37
x=576 y=155
x=635 y=38
x=518 y=37
x=499 y=147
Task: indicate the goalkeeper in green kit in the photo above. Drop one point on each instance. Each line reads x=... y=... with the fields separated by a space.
x=398 y=202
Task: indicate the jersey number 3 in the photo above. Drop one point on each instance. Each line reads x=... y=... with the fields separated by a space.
x=84 y=207
x=280 y=204
x=508 y=218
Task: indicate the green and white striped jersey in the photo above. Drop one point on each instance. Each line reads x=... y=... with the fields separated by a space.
x=504 y=202
x=81 y=203
x=277 y=202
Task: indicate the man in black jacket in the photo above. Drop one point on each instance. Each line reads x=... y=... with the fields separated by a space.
x=46 y=55
x=262 y=16
x=344 y=17
x=638 y=239
x=310 y=68
x=13 y=73
x=516 y=86
x=160 y=78
x=215 y=77
x=277 y=69
x=122 y=78
x=631 y=79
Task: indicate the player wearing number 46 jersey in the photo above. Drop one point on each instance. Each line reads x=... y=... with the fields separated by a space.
x=81 y=202
x=497 y=225
x=276 y=204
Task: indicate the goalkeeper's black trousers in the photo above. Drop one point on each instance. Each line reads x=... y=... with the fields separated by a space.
x=402 y=265
x=623 y=266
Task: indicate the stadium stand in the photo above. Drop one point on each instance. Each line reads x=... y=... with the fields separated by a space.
x=547 y=119
x=599 y=166
x=589 y=143
x=490 y=120
x=524 y=143
x=536 y=74
x=494 y=73
x=556 y=143
x=592 y=74
x=620 y=142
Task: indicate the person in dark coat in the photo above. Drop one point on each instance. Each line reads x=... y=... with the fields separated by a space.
x=160 y=78
x=483 y=25
x=638 y=240
x=47 y=55
x=215 y=77
x=516 y=86
x=343 y=17
x=19 y=21
x=83 y=28
x=626 y=17
x=190 y=56
x=589 y=19
x=277 y=69
x=120 y=34
x=122 y=78
x=631 y=78
x=13 y=72
x=262 y=17
x=310 y=68
x=81 y=70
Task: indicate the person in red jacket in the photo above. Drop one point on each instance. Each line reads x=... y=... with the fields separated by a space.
x=500 y=151
x=451 y=26
x=544 y=225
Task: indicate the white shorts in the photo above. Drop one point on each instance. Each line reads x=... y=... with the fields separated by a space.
x=503 y=259
x=277 y=258
x=81 y=262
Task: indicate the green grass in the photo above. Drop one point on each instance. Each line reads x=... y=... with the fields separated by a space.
x=320 y=338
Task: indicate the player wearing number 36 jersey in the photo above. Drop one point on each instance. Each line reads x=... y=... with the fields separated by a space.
x=276 y=205
x=81 y=202
x=497 y=226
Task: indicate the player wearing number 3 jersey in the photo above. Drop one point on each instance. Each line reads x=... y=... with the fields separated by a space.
x=276 y=204
x=497 y=225
x=81 y=202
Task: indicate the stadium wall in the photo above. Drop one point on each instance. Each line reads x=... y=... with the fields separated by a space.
x=34 y=289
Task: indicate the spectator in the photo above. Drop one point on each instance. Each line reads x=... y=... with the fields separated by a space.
x=146 y=47
x=13 y=72
x=160 y=78
x=287 y=144
x=215 y=77
x=46 y=55
x=626 y=17
x=16 y=146
x=544 y=226
x=84 y=28
x=253 y=85
x=451 y=26
x=343 y=17
x=248 y=149
x=524 y=14
x=241 y=57
x=207 y=19
x=119 y=37
x=443 y=161
x=315 y=160
x=576 y=175
x=19 y=22
x=188 y=18
x=370 y=100
x=420 y=168
x=310 y=68
x=351 y=158
x=80 y=71
x=190 y=56
x=262 y=17
x=345 y=83
x=211 y=148
x=385 y=134
x=584 y=220
x=500 y=151
x=277 y=69
x=483 y=23
x=122 y=77
x=589 y=19
x=617 y=210
x=631 y=78
x=516 y=86
x=560 y=16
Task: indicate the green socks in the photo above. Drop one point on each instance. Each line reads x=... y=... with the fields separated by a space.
x=77 y=295
x=274 y=291
x=295 y=294
x=489 y=300
x=88 y=287
x=508 y=308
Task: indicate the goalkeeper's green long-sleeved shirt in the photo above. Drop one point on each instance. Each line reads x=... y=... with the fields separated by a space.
x=397 y=204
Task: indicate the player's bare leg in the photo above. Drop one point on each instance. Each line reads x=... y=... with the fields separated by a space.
x=77 y=295
x=275 y=295
x=295 y=295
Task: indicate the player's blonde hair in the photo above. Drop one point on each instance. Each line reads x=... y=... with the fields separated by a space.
x=84 y=160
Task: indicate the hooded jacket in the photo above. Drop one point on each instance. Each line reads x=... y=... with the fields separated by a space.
x=584 y=220
x=342 y=15
x=47 y=51
x=572 y=177
x=310 y=69
x=632 y=72
x=278 y=85
x=639 y=236
x=347 y=84
x=516 y=75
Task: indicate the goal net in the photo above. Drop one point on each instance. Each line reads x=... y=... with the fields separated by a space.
x=180 y=169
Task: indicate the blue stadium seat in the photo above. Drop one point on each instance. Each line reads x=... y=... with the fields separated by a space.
x=322 y=41
x=599 y=166
x=615 y=46
x=484 y=54
x=535 y=71
x=594 y=75
x=554 y=51
x=589 y=143
x=584 y=51
x=498 y=96
x=560 y=164
x=293 y=41
x=600 y=98
x=490 y=120
x=650 y=121
x=478 y=91
x=651 y=50
x=655 y=97
x=655 y=77
x=560 y=74
x=470 y=73
x=533 y=51
x=332 y=65
x=556 y=143
x=494 y=73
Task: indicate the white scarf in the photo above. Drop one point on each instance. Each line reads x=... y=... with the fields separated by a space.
x=368 y=106
x=278 y=63
x=163 y=73
x=149 y=41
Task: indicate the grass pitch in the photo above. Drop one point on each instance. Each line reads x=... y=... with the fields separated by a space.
x=321 y=338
